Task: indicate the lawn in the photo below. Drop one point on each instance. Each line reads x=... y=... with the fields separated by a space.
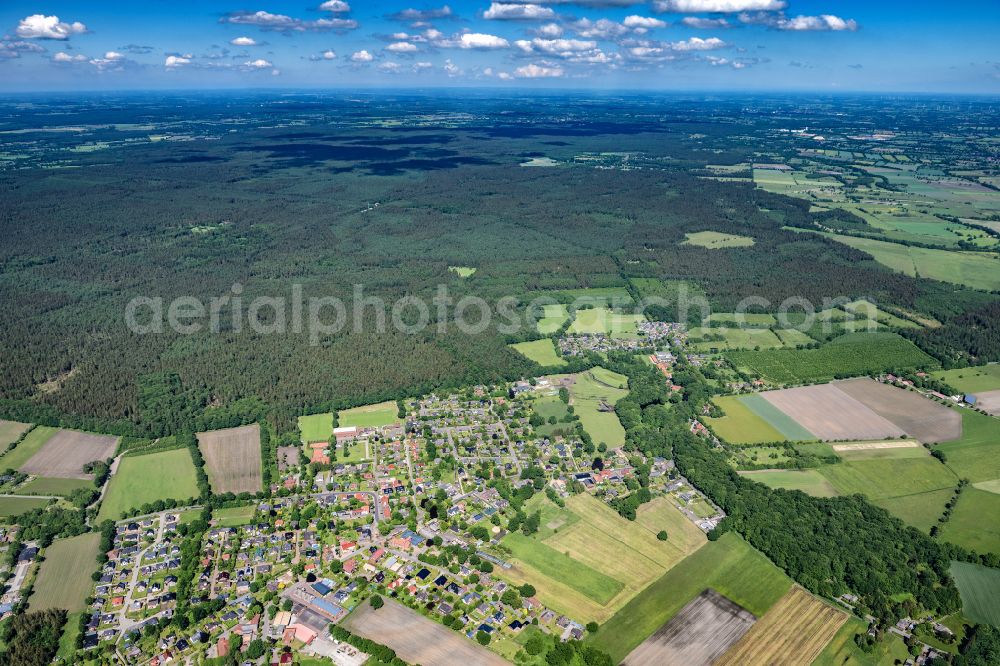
x=10 y=431
x=980 y=590
x=972 y=380
x=590 y=390
x=715 y=240
x=542 y=352
x=27 y=447
x=808 y=481
x=64 y=576
x=851 y=355
x=370 y=416
x=147 y=478
x=316 y=427
x=604 y=320
x=975 y=522
x=53 y=486
x=15 y=506
x=741 y=425
x=730 y=566
x=233 y=516
x=555 y=316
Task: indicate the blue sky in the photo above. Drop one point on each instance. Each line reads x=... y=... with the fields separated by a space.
x=818 y=45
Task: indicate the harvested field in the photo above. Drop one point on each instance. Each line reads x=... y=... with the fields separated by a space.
x=66 y=452
x=416 y=639
x=232 y=459
x=919 y=417
x=703 y=631
x=829 y=413
x=989 y=401
x=10 y=431
x=793 y=633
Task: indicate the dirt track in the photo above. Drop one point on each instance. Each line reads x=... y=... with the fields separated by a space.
x=67 y=451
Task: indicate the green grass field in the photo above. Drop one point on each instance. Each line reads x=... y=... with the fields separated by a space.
x=369 y=416
x=749 y=318
x=980 y=590
x=233 y=516
x=53 y=486
x=741 y=425
x=15 y=506
x=542 y=352
x=975 y=522
x=783 y=423
x=64 y=576
x=549 y=406
x=27 y=447
x=605 y=320
x=735 y=338
x=808 y=481
x=974 y=455
x=869 y=310
x=843 y=651
x=555 y=316
x=850 y=355
x=462 y=271
x=976 y=270
x=10 y=431
x=972 y=380
x=552 y=564
x=715 y=240
x=144 y=479
x=586 y=395
x=729 y=566
x=316 y=427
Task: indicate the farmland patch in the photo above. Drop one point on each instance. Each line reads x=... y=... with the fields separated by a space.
x=919 y=417
x=66 y=452
x=979 y=587
x=64 y=576
x=830 y=414
x=232 y=459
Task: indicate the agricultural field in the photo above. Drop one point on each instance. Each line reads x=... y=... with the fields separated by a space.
x=607 y=321
x=65 y=453
x=980 y=590
x=588 y=560
x=974 y=522
x=972 y=380
x=919 y=417
x=10 y=431
x=15 y=506
x=977 y=270
x=64 y=576
x=144 y=479
x=867 y=310
x=741 y=425
x=554 y=316
x=793 y=633
x=729 y=566
x=809 y=481
x=849 y=355
x=415 y=638
x=974 y=456
x=590 y=392
x=370 y=416
x=232 y=459
x=316 y=427
x=831 y=414
x=542 y=352
x=703 y=631
x=761 y=319
x=233 y=516
x=715 y=240
x=53 y=486
x=27 y=447
x=734 y=338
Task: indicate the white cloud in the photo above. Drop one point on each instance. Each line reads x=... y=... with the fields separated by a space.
x=556 y=47
x=506 y=76
x=390 y=67
x=704 y=23
x=719 y=6
x=62 y=56
x=329 y=54
x=174 y=61
x=534 y=71
x=259 y=63
x=518 y=12
x=821 y=22
x=401 y=47
x=698 y=44
x=10 y=49
x=478 y=40
x=422 y=14
x=335 y=6
x=422 y=65
x=39 y=26
x=362 y=56
x=451 y=69
x=644 y=22
x=550 y=30
x=281 y=23
x=600 y=29
x=243 y=41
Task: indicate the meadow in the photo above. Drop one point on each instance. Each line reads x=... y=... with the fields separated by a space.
x=980 y=590
x=973 y=456
x=730 y=566
x=27 y=447
x=64 y=576
x=974 y=522
x=147 y=478
x=233 y=516
x=714 y=240
x=369 y=416
x=554 y=316
x=605 y=320
x=53 y=486
x=850 y=355
x=809 y=481
x=548 y=407
x=316 y=427
x=741 y=425
x=15 y=506
x=972 y=379
x=589 y=391
x=542 y=352
x=10 y=431
x=734 y=338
